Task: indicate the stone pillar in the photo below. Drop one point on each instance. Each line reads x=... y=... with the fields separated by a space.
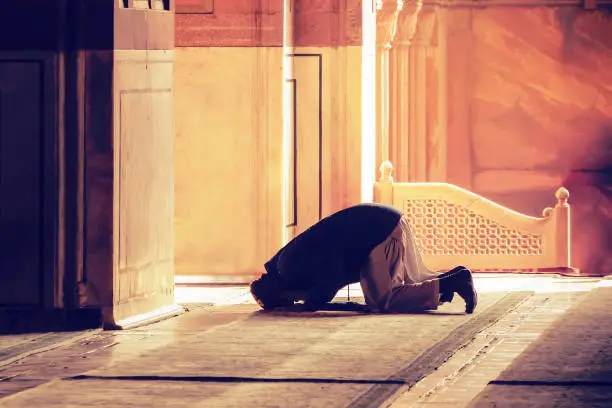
x=418 y=116
x=125 y=69
x=403 y=90
x=386 y=26
x=420 y=102
x=435 y=39
x=101 y=71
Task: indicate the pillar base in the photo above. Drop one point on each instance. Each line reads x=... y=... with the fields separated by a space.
x=139 y=320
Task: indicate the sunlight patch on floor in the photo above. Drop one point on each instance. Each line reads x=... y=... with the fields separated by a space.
x=228 y=295
x=224 y=295
x=536 y=283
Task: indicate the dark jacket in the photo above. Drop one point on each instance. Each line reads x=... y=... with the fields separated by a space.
x=330 y=254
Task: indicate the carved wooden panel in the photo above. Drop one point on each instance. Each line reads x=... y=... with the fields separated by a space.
x=444 y=228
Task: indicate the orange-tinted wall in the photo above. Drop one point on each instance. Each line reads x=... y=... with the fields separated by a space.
x=234 y=69
x=530 y=109
x=228 y=105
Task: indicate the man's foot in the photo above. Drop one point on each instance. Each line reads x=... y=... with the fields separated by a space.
x=459 y=280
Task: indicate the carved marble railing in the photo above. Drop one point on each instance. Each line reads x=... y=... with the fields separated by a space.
x=453 y=226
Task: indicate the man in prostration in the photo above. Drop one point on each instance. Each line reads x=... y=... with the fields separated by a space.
x=367 y=243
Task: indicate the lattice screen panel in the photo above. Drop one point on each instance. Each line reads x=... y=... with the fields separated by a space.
x=444 y=228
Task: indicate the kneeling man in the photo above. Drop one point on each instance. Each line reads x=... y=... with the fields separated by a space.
x=367 y=243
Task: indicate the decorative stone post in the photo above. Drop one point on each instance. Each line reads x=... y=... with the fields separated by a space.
x=383 y=188
x=562 y=213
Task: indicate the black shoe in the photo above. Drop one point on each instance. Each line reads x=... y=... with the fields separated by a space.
x=452 y=272
x=448 y=296
x=459 y=280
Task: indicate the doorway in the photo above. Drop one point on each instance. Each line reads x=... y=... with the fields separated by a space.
x=304 y=181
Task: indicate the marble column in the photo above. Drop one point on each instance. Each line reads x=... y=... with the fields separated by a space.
x=402 y=112
x=387 y=14
x=126 y=69
x=430 y=41
x=416 y=135
x=103 y=113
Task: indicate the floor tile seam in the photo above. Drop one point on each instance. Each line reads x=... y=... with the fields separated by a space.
x=448 y=381
x=423 y=365
x=36 y=388
x=319 y=346
x=551 y=383
x=512 y=320
x=243 y=316
x=25 y=339
x=541 y=338
x=125 y=359
x=50 y=347
x=495 y=340
x=298 y=354
x=196 y=340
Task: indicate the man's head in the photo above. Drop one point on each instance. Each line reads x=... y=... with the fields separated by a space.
x=269 y=293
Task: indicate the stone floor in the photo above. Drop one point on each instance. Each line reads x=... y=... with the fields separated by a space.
x=533 y=341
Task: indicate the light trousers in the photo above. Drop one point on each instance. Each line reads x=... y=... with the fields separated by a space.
x=395 y=279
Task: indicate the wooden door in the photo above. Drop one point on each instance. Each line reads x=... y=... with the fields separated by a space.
x=304 y=172
x=21 y=184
